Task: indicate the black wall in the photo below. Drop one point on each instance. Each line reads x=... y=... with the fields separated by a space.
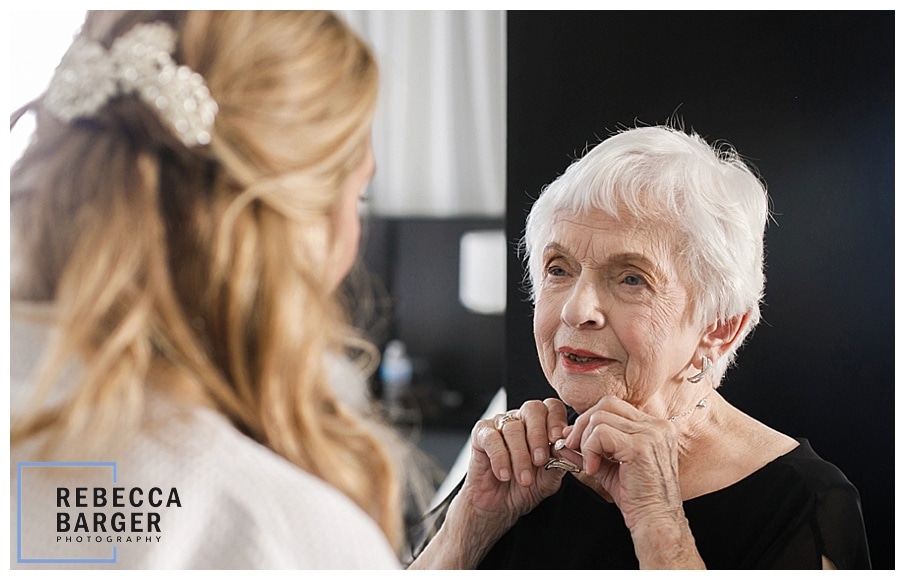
x=808 y=98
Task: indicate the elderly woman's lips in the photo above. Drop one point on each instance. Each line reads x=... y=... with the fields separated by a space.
x=579 y=361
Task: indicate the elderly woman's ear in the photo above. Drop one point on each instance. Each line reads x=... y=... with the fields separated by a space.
x=721 y=336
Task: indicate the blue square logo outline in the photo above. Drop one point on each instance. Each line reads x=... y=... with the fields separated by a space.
x=19 y=466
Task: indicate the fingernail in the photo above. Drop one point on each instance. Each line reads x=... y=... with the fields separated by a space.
x=539 y=456
x=526 y=477
x=504 y=475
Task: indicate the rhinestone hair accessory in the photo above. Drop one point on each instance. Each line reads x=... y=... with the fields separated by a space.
x=139 y=62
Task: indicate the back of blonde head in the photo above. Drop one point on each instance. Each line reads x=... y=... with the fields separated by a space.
x=199 y=273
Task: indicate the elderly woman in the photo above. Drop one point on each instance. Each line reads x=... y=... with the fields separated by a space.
x=646 y=268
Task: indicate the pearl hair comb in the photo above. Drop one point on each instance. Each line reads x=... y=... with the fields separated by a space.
x=138 y=62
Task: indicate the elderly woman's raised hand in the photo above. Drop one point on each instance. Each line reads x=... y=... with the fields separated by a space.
x=506 y=474
x=506 y=479
x=633 y=457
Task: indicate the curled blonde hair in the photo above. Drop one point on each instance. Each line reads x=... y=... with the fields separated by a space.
x=199 y=273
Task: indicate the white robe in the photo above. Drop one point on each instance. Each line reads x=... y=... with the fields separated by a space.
x=241 y=506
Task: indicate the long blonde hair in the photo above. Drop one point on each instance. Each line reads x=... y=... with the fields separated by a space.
x=199 y=272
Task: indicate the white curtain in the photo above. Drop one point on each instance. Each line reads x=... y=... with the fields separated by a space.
x=440 y=130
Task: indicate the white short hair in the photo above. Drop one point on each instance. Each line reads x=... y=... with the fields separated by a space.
x=713 y=200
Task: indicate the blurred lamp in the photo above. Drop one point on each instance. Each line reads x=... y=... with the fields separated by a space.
x=482 y=271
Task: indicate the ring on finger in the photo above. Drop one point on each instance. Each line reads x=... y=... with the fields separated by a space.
x=564 y=464
x=505 y=419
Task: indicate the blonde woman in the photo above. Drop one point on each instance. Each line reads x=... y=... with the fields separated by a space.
x=183 y=219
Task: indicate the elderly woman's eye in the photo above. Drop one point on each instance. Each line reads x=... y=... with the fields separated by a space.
x=632 y=280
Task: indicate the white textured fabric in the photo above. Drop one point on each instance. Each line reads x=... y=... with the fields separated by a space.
x=241 y=505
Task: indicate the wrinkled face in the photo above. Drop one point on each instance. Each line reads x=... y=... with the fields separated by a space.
x=612 y=314
x=348 y=221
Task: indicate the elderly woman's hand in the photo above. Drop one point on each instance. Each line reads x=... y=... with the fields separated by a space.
x=634 y=458
x=508 y=454
x=506 y=479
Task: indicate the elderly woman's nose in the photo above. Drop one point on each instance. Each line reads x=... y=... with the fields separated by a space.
x=584 y=306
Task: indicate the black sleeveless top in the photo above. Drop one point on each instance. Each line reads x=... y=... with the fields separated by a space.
x=786 y=515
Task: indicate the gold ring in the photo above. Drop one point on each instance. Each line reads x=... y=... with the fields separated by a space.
x=565 y=465
x=505 y=419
